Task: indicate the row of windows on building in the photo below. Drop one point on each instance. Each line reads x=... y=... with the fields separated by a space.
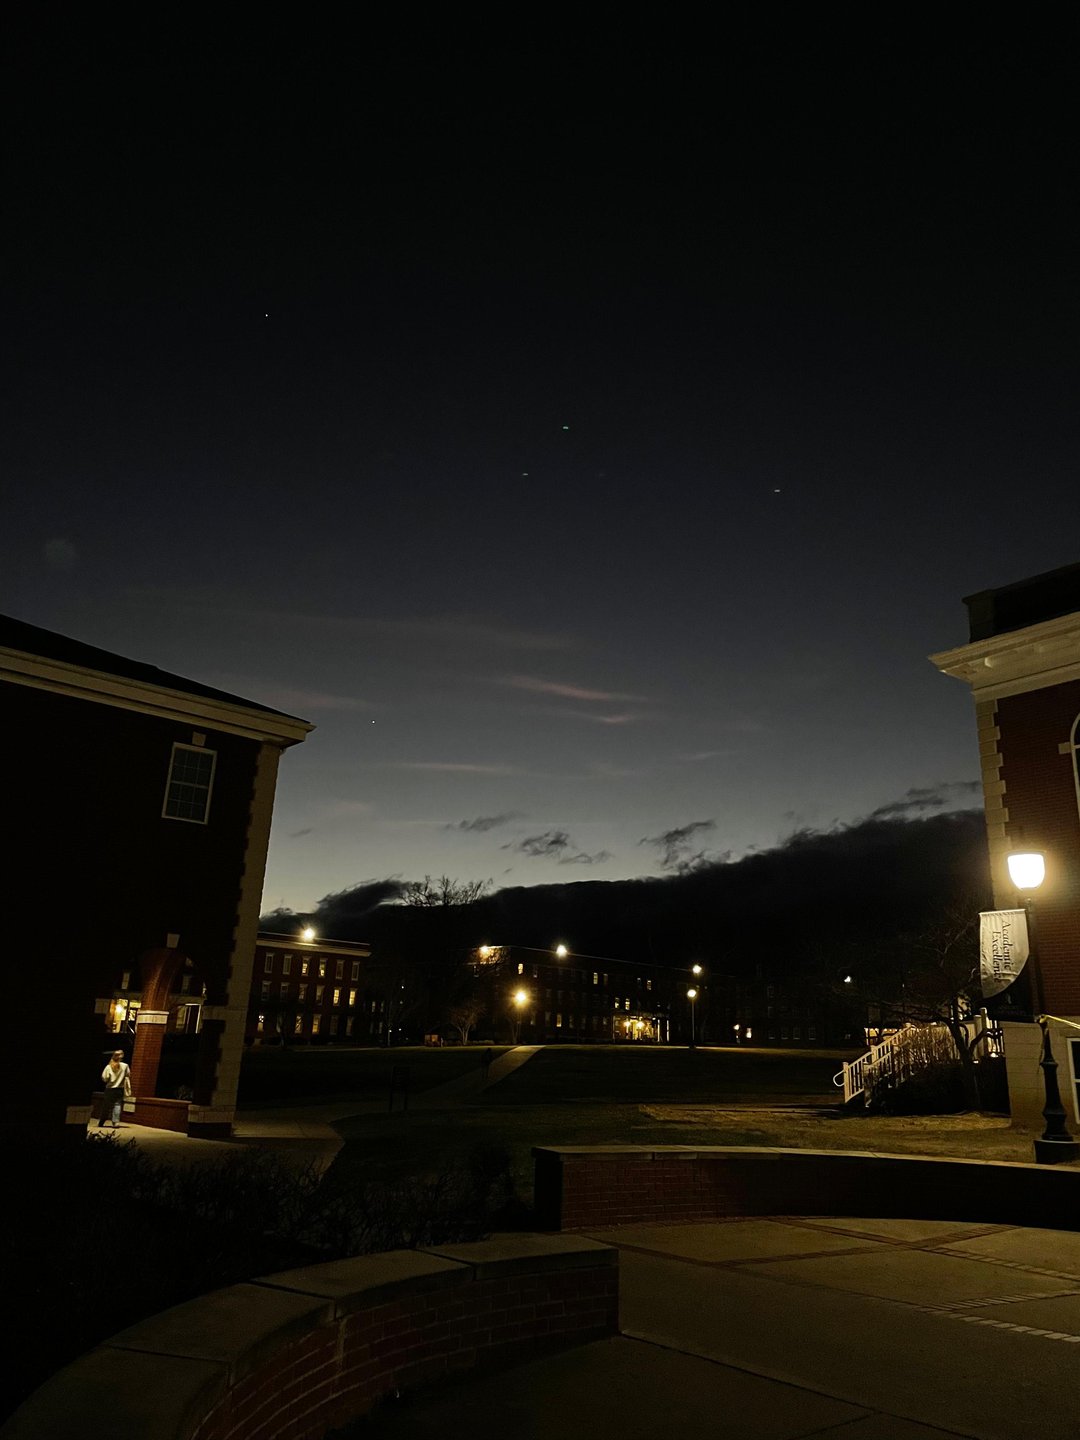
x=310 y=964
x=580 y=978
x=285 y=992
x=321 y=1025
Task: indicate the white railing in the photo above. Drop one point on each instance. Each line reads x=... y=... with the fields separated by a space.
x=909 y=1049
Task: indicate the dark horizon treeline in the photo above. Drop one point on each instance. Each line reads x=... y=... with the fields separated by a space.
x=818 y=894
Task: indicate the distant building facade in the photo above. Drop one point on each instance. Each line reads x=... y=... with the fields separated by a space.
x=1022 y=662
x=140 y=805
x=314 y=991
x=579 y=997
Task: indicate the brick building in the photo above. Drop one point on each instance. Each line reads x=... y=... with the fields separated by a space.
x=1023 y=665
x=580 y=997
x=139 y=807
x=306 y=990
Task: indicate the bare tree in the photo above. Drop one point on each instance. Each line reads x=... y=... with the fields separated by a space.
x=429 y=893
x=464 y=1016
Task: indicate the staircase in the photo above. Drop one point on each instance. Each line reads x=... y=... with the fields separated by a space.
x=904 y=1052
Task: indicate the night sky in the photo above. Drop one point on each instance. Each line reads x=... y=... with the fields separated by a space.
x=592 y=435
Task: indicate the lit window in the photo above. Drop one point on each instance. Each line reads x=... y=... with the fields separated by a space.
x=558 y=1022
x=648 y=984
x=268 y=964
x=337 y=997
x=356 y=969
x=595 y=977
x=339 y=970
x=521 y=969
x=322 y=969
x=315 y=1019
x=286 y=965
x=298 y=1025
x=191 y=778
x=319 y=994
x=352 y=998
x=261 y=1024
x=305 y=967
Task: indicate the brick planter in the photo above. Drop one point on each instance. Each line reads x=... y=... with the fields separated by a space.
x=581 y=1187
x=298 y=1353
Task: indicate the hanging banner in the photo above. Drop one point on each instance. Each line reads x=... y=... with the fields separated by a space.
x=1003 y=948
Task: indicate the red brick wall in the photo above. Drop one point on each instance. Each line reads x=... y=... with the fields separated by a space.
x=298 y=1354
x=579 y=1190
x=1040 y=797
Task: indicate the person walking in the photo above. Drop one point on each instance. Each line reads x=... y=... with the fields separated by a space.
x=116 y=1079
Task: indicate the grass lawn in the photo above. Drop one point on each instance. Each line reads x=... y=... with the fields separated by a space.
x=621 y=1074
x=304 y=1075
x=582 y=1095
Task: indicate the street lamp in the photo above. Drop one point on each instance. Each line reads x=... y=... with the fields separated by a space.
x=521 y=999
x=561 y=952
x=695 y=969
x=691 y=995
x=308 y=933
x=1027 y=870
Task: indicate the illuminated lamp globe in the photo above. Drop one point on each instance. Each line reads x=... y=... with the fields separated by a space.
x=691 y=994
x=308 y=932
x=695 y=969
x=521 y=997
x=561 y=952
x=1027 y=870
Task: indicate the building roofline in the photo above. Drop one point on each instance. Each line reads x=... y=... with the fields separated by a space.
x=279 y=937
x=44 y=660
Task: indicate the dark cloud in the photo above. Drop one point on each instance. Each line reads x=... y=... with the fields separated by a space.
x=676 y=846
x=551 y=844
x=580 y=858
x=337 y=913
x=556 y=845
x=919 y=799
x=296 y=834
x=483 y=823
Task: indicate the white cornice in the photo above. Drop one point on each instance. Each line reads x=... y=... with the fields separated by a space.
x=20 y=668
x=1030 y=659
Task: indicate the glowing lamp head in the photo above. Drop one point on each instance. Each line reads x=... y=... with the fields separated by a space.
x=1027 y=870
x=561 y=952
x=691 y=994
x=695 y=969
x=308 y=932
x=484 y=952
x=521 y=997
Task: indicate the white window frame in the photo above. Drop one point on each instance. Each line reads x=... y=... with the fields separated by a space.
x=187 y=819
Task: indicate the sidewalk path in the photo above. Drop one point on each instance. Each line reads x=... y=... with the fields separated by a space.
x=777 y=1329
x=307 y=1134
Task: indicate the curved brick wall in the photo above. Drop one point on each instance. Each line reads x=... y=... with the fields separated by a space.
x=580 y=1187
x=293 y=1355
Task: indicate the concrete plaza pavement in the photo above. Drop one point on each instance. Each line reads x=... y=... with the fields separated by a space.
x=773 y=1329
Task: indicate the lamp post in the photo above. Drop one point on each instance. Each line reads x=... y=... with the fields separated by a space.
x=1027 y=870
x=521 y=999
x=691 y=995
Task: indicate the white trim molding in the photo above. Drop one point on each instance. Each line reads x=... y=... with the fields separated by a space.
x=1018 y=661
x=232 y=717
